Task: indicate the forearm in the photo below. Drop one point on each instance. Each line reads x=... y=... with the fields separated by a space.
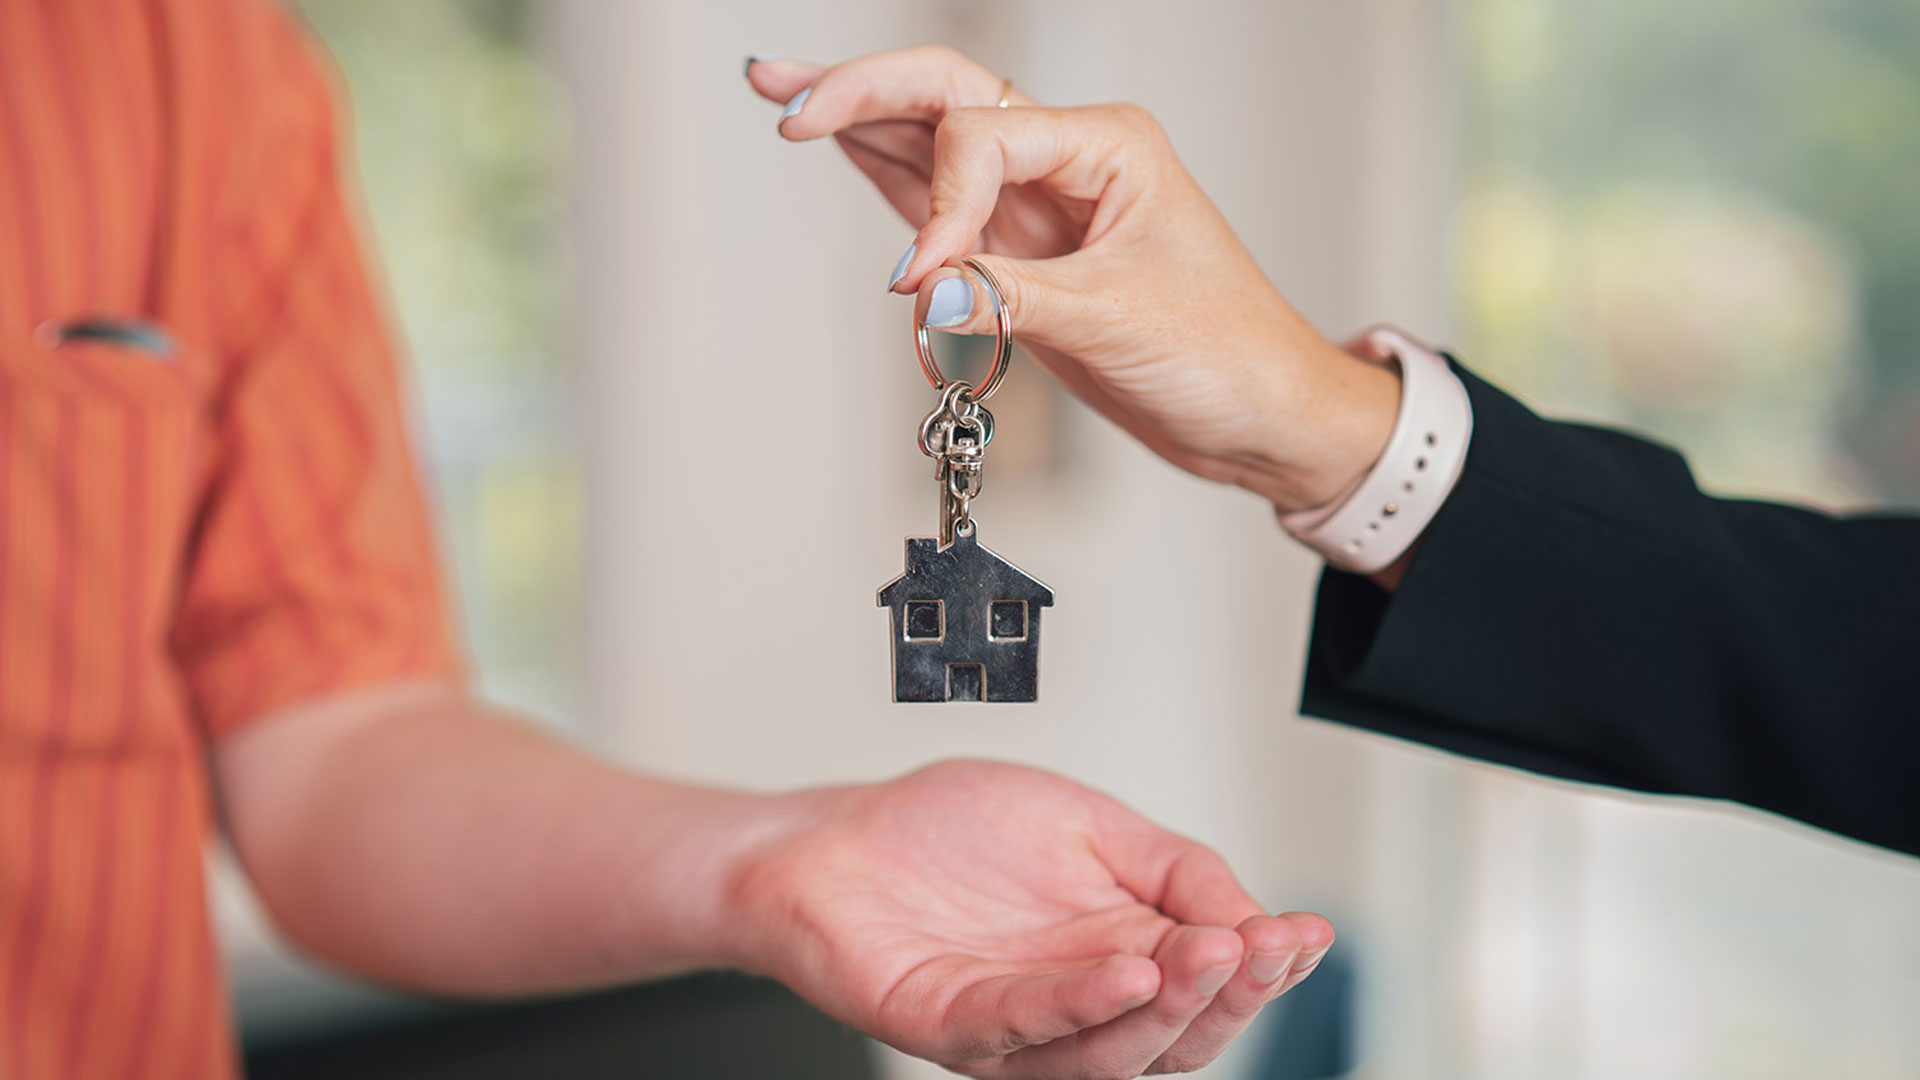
x=1579 y=607
x=426 y=841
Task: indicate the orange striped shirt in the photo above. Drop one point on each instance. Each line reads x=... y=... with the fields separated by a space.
x=190 y=537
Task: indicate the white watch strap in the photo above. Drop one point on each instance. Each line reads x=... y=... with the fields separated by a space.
x=1365 y=529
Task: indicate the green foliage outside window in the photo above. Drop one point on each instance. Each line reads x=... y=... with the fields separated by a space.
x=459 y=138
x=1702 y=219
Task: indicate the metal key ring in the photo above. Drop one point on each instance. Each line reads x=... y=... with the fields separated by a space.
x=1002 y=339
x=982 y=418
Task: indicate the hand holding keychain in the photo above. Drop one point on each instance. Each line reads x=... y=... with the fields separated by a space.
x=965 y=622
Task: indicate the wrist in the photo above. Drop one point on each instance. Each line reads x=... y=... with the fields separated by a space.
x=1374 y=525
x=693 y=898
x=1327 y=434
x=751 y=921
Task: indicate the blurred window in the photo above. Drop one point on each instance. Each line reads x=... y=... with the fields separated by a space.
x=459 y=135
x=1701 y=219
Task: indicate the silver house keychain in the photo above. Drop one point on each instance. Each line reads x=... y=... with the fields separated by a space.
x=965 y=622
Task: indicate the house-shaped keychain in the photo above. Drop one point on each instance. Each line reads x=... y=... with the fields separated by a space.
x=966 y=624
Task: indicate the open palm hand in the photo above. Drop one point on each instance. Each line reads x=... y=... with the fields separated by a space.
x=1006 y=922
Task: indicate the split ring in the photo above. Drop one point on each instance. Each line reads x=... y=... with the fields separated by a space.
x=1002 y=339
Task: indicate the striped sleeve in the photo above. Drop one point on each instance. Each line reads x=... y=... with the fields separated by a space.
x=314 y=567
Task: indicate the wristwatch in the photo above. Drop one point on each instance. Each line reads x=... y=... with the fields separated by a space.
x=1365 y=529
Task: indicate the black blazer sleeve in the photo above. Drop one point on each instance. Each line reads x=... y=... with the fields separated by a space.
x=1579 y=608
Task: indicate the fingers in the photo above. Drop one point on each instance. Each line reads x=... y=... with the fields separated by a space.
x=920 y=124
x=1078 y=152
x=1002 y=1015
x=1201 y=888
x=1195 y=962
x=957 y=300
x=923 y=84
x=1042 y=300
x=1316 y=937
x=779 y=79
x=1183 y=879
x=1273 y=945
x=1193 y=884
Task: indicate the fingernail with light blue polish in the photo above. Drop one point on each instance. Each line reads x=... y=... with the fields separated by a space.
x=754 y=58
x=900 y=268
x=951 y=303
x=793 y=107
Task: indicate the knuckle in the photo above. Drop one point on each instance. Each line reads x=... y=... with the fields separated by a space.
x=1202 y=863
x=953 y=71
x=940 y=53
x=945 y=132
x=989 y=1045
x=957 y=126
x=1018 y=1036
x=1135 y=119
x=972 y=1048
x=1016 y=1033
x=1085 y=1016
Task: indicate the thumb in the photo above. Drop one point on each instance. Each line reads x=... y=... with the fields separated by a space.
x=1039 y=303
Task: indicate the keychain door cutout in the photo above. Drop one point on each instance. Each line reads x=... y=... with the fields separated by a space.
x=966 y=624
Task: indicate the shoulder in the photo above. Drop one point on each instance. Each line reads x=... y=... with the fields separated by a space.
x=249 y=87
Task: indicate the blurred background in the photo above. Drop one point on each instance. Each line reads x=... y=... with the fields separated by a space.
x=669 y=424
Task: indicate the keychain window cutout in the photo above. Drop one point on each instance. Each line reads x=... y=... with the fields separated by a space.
x=926 y=621
x=1009 y=621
